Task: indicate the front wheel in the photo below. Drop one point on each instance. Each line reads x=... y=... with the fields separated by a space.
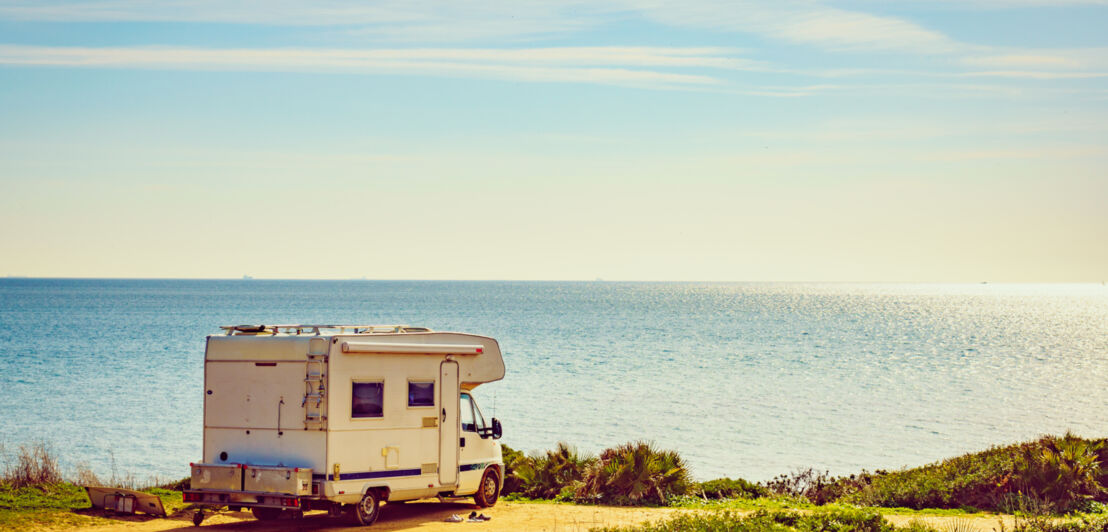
x=489 y=489
x=366 y=511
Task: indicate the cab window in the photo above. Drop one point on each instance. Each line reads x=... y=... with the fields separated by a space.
x=467 y=414
x=479 y=420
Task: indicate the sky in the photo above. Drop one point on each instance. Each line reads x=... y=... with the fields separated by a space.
x=693 y=140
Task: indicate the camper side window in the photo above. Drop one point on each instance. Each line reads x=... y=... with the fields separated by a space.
x=421 y=393
x=368 y=399
x=467 y=414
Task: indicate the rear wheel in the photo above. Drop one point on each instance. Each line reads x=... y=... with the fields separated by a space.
x=266 y=514
x=366 y=511
x=489 y=489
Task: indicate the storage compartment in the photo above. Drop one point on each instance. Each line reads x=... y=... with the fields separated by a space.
x=290 y=480
x=216 y=477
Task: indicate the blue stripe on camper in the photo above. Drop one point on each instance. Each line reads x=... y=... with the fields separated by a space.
x=394 y=473
x=370 y=474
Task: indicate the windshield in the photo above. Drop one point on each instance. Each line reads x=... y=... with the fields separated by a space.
x=471 y=417
x=478 y=417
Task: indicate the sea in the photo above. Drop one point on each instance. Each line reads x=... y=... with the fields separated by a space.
x=746 y=380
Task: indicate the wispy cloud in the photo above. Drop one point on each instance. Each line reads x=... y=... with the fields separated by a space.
x=798 y=21
x=403 y=20
x=816 y=24
x=652 y=67
x=801 y=22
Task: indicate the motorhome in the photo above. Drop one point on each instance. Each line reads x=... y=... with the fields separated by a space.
x=344 y=417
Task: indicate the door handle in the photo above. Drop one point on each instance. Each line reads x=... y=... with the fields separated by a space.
x=444 y=415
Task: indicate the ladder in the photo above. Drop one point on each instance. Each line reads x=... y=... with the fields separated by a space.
x=315 y=386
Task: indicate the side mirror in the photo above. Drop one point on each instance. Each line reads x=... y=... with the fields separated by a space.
x=497 y=430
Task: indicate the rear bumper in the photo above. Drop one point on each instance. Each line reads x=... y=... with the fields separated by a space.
x=252 y=499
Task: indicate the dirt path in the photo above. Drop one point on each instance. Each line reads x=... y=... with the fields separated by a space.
x=506 y=517
x=415 y=516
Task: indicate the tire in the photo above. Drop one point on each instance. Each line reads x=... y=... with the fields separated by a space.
x=266 y=514
x=488 y=491
x=366 y=511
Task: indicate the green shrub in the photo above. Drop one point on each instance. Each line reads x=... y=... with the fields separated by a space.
x=1085 y=523
x=1063 y=471
x=511 y=458
x=849 y=520
x=1051 y=474
x=818 y=487
x=726 y=488
x=544 y=476
x=178 y=485
x=635 y=473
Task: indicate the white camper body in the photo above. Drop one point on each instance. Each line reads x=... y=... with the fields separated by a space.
x=300 y=417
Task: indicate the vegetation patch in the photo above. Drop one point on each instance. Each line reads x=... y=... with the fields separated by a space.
x=629 y=474
x=33 y=494
x=1050 y=475
x=838 y=520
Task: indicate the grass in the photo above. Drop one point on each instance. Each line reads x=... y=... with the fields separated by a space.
x=34 y=495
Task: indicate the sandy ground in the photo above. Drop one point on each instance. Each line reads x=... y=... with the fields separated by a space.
x=506 y=517
x=416 y=516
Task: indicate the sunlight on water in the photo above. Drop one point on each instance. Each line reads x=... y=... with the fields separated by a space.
x=745 y=380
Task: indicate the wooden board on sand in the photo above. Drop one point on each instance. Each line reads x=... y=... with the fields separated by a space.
x=124 y=500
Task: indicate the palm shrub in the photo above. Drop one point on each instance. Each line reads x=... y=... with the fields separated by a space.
x=1062 y=471
x=545 y=476
x=635 y=473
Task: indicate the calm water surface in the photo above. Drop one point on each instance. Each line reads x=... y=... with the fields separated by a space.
x=745 y=380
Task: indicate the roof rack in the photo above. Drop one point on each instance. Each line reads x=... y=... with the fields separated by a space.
x=297 y=329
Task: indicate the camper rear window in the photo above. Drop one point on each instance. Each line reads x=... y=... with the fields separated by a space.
x=421 y=393
x=368 y=399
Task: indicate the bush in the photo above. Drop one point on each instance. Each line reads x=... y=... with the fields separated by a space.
x=545 y=476
x=763 y=521
x=1051 y=474
x=511 y=458
x=1063 y=471
x=726 y=488
x=635 y=473
x=818 y=487
x=1085 y=523
x=178 y=485
x=34 y=464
